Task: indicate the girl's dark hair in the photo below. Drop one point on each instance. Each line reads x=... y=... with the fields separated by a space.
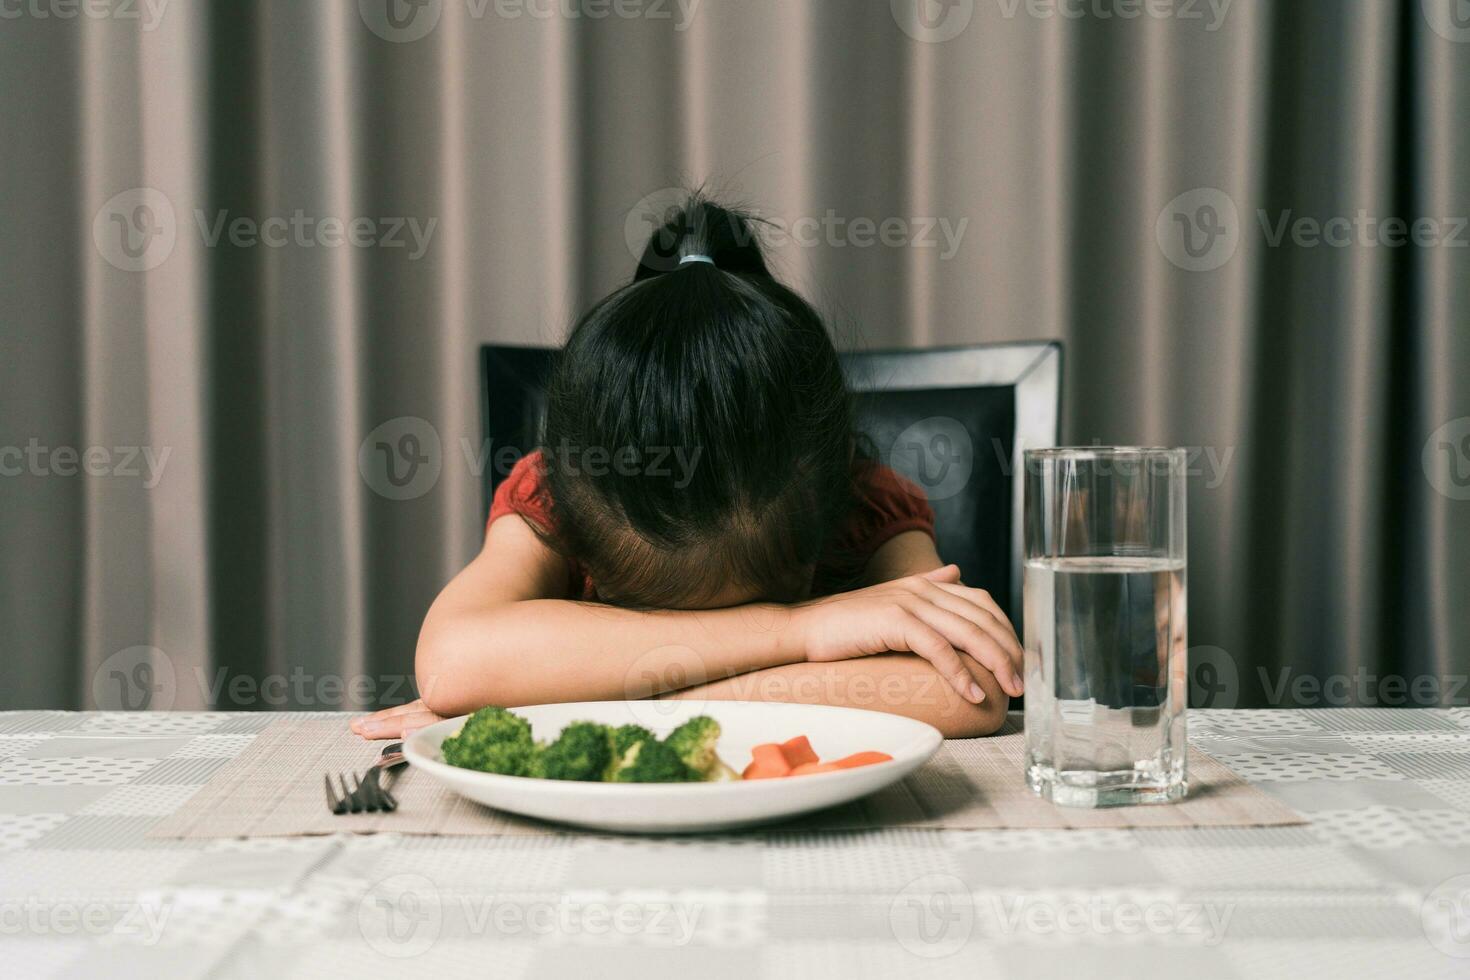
x=698 y=425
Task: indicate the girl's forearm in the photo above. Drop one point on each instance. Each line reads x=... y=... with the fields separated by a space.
x=900 y=684
x=551 y=650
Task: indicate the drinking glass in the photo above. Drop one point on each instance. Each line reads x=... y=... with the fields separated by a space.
x=1105 y=623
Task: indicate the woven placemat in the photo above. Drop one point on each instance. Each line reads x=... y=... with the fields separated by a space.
x=274 y=789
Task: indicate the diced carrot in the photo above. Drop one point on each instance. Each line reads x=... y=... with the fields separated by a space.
x=808 y=768
x=798 y=751
x=861 y=759
x=767 y=762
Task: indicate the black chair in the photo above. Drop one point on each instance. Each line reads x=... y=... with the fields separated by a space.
x=954 y=421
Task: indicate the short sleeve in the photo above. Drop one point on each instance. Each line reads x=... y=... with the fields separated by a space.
x=523 y=492
x=885 y=505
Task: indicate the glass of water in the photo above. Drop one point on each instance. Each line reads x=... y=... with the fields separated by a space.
x=1105 y=622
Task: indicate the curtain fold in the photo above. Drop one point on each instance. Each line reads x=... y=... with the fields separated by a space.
x=1038 y=176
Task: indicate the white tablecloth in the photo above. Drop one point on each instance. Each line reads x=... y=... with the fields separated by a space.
x=1377 y=885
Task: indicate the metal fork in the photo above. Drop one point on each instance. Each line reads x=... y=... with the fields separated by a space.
x=367 y=794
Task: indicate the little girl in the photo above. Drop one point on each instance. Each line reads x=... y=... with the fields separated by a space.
x=777 y=562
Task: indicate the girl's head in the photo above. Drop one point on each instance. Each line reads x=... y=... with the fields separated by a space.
x=698 y=442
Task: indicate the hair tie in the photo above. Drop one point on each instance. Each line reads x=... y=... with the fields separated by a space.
x=696 y=258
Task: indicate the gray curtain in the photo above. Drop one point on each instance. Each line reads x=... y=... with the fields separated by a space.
x=1133 y=185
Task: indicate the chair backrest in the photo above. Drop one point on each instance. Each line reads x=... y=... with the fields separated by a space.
x=954 y=420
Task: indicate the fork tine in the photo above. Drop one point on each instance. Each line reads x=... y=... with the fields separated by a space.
x=333 y=804
x=383 y=798
x=347 y=795
x=373 y=793
x=389 y=803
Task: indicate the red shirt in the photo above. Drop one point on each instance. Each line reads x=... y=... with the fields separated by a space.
x=886 y=504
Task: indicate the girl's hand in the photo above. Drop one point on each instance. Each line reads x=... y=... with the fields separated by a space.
x=932 y=615
x=395 y=722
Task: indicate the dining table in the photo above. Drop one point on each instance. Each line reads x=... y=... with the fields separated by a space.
x=1375 y=883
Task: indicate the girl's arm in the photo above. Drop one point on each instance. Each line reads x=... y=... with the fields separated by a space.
x=504 y=633
x=900 y=684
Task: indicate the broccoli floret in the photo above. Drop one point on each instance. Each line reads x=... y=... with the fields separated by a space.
x=582 y=752
x=494 y=740
x=651 y=761
x=622 y=741
x=625 y=737
x=694 y=742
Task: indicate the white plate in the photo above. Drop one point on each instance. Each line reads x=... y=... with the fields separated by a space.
x=684 y=807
